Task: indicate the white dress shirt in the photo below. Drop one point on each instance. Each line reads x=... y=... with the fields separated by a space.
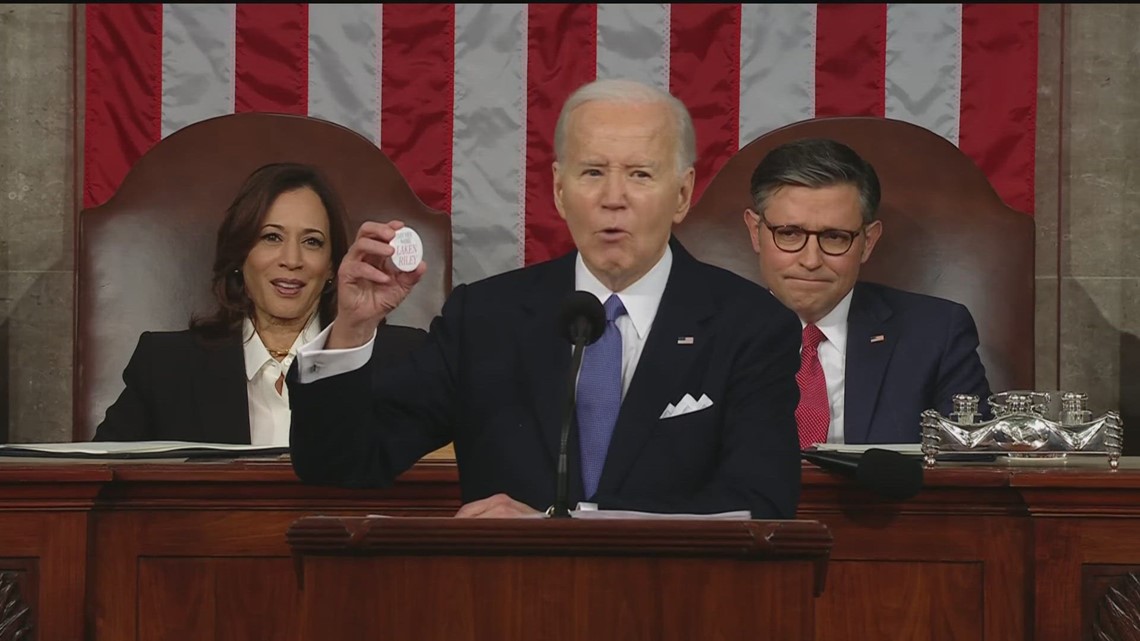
x=833 y=358
x=268 y=410
x=641 y=300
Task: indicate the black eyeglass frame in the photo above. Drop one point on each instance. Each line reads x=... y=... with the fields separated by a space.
x=774 y=229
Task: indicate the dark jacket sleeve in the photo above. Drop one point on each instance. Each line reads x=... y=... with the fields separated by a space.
x=131 y=417
x=960 y=370
x=759 y=466
x=365 y=427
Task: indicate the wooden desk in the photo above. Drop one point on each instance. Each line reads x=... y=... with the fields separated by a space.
x=198 y=551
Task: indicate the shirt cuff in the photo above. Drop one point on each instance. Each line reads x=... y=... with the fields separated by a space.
x=314 y=362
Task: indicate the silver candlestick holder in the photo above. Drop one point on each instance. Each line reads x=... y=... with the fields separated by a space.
x=1025 y=424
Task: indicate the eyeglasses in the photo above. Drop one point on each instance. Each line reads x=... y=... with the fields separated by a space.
x=791 y=239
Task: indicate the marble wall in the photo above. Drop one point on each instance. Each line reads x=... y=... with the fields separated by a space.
x=1088 y=186
x=37 y=220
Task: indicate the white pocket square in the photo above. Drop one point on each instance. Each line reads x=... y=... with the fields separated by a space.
x=687 y=405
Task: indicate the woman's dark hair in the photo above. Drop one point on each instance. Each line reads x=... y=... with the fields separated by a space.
x=239 y=232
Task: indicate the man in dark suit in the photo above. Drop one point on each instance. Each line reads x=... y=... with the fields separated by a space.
x=685 y=404
x=874 y=358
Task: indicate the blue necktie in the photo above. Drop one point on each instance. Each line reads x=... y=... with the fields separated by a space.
x=599 y=397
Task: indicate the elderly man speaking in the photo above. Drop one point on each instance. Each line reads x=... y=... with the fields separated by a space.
x=684 y=405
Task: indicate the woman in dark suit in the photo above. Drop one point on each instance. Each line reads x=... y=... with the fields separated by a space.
x=222 y=380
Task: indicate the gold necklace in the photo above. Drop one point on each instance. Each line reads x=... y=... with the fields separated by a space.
x=276 y=353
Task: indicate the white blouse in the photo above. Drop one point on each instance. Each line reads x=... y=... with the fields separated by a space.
x=268 y=410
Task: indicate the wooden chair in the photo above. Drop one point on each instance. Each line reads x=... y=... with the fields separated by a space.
x=945 y=231
x=144 y=256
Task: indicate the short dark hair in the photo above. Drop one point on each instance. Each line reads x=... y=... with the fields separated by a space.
x=814 y=163
x=239 y=232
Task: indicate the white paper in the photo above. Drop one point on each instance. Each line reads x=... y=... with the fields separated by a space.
x=739 y=515
x=132 y=447
x=901 y=448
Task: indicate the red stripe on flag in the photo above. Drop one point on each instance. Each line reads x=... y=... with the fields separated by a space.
x=704 y=73
x=561 y=56
x=124 y=93
x=850 y=60
x=271 y=60
x=999 y=96
x=417 y=96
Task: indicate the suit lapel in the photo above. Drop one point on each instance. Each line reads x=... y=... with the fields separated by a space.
x=867 y=358
x=220 y=394
x=543 y=352
x=684 y=308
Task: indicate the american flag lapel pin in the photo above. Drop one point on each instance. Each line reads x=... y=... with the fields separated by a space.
x=684 y=340
x=878 y=338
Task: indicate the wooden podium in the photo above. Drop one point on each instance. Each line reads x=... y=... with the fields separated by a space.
x=564 y=579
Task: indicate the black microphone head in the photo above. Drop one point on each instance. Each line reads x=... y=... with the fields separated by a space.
x=890 y=474
x=582 y=317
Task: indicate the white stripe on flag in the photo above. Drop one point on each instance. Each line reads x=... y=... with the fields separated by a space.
x=344 y=65
x=924 y=66
x=488 y=167
x=777 y=67
x=197 y=63
x=633 y=42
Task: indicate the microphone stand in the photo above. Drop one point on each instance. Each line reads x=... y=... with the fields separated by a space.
x=561 y=507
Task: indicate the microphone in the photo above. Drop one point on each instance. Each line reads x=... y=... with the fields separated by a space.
x=884 y=472
x=582 y=320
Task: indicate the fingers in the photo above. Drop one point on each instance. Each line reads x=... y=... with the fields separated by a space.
x=372 y=246
x=408 y=280
x=356 y=271
x=499 y=506
x=380 y=231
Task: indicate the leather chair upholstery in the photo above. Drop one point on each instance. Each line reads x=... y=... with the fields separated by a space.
x=144 y=257
x=945 y=231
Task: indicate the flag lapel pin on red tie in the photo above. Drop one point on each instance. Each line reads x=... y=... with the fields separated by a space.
x=878 y=338
x=684 y=340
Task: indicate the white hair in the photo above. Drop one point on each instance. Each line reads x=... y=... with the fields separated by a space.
x=630 y=91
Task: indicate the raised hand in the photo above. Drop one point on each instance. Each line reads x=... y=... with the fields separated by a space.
x=368 y=285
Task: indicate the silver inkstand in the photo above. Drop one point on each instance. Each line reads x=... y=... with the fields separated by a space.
x=1025 y=424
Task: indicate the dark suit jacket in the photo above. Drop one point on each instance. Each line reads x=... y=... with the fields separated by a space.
x=929 y=353
x=179 y=389
x=492 y=377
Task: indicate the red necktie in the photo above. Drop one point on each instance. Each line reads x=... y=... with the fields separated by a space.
x=813 y=415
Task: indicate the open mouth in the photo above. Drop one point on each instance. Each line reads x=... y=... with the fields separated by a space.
x=287 y=287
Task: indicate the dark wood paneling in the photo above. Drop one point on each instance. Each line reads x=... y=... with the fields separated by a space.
x=47 y=550
x=1034 y=530
x=911 y=600
x=239 y=599
x=554 y=599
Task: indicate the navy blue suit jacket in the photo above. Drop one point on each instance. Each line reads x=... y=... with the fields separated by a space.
x=492 y=377
x=928 y=353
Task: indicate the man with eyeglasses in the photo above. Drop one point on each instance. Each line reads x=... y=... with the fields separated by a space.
x=873 y=357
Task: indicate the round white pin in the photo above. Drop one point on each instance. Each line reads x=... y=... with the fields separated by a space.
x=409 y=249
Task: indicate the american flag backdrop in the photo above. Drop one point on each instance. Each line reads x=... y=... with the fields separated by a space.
x=463 y=98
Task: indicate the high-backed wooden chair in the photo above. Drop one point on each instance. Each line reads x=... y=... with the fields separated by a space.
x=945 y=231
x=144 y=257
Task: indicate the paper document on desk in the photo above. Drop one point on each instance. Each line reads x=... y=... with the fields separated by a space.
x=137 y=449
x=843 y=448
x=739 y=515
